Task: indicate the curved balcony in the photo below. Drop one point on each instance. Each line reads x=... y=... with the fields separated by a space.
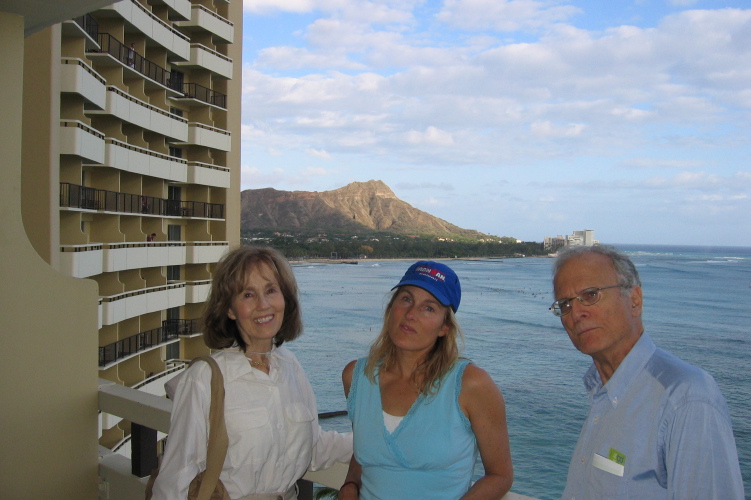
x=205 y=19
x=204 y=57
x=78 y=139
x=170 y=331
x=77 y=77
x=83 y=261
x=119 y=307
x=129 y=158
x=88 y=198
x=205 y=252
x=177 y=44
x=200 y=134
x=133 y=110
x=197 y=291
x=206 y=174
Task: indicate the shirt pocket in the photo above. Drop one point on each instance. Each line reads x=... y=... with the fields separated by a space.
x=300 y=421
x=607 y=485
x=250 y=436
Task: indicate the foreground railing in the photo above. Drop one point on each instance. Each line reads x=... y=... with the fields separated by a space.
x=125 y=479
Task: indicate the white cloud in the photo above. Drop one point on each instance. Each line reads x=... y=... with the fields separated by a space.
x=653 y=163
x=431 y=135
x=546 y=129
x=503 y=15
x=319 y=153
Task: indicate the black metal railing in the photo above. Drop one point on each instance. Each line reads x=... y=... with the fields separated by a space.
x=170 y=330
x=196 y=91
x=128 y=56
x=181 y=326
x=75 y=196
x=88 y=24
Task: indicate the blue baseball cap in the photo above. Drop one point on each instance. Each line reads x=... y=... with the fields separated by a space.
x=436 y=278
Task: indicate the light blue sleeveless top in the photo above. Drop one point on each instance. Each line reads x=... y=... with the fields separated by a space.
x=431 y=453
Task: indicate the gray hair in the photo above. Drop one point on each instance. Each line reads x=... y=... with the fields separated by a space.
x=626 y=271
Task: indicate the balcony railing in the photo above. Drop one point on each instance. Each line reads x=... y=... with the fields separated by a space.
x=88 y=24
x=196 y=91
x=170 y=330
x=129 y=57
x=75 y=196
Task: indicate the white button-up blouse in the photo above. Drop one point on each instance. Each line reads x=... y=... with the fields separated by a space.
x=272 y=425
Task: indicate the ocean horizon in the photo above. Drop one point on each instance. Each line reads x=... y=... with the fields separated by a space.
x=697 y=305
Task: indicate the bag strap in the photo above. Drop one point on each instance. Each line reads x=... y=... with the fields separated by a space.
x=216 y=450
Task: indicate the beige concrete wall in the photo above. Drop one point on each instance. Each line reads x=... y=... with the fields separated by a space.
x=234 y=107
x=48 y=329
x=40 y=178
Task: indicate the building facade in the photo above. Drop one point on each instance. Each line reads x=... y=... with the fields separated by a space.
x=121 y=189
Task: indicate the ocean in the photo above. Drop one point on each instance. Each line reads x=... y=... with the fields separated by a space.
x=697 y=305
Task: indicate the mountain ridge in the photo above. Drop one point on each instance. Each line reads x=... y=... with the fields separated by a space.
x=358 y=207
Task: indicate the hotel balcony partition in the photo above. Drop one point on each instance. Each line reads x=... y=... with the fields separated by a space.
x=82 y=26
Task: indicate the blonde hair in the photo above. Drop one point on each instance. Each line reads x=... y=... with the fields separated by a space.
x=433 y=367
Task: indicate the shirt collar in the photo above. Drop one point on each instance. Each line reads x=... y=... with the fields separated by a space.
x=237 y=364
x=626 y=372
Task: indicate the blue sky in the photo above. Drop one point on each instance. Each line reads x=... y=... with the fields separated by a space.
x=523 y=118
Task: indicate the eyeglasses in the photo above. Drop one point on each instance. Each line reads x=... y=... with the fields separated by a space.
x=588 y=297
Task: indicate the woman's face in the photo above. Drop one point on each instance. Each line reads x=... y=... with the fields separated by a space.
x=417 y=319
x=258 y=309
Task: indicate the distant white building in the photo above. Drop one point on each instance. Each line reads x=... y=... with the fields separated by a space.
x=584 y=237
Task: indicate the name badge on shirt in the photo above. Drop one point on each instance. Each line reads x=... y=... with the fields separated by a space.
x=614 y=463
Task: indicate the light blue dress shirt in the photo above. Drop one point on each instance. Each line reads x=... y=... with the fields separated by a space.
x=659 y=429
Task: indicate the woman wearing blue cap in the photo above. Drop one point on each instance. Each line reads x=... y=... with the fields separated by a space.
x=420 y=414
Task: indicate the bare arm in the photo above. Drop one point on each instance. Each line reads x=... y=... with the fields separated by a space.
x=483 y=404
x=349 y=491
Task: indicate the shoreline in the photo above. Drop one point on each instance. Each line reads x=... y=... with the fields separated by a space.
x=408 y=259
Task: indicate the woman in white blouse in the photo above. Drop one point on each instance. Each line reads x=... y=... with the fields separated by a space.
x=270 y=409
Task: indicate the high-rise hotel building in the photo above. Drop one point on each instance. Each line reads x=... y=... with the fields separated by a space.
x=119 y=188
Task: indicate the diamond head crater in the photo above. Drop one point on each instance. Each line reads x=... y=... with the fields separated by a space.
x=362 y=220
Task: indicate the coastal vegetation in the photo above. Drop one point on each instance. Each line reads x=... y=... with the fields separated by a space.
x=350 y=246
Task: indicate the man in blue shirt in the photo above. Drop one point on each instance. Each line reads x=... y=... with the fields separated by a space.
x=657 y=427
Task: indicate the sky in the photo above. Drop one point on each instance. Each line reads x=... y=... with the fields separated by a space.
x=521 y=118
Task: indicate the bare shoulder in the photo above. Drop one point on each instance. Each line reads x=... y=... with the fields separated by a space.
x=349 y=370
x=477 y=379
x=347 y=376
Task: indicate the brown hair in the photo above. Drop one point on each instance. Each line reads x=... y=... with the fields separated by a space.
x=219 y=331
x=434 y=366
